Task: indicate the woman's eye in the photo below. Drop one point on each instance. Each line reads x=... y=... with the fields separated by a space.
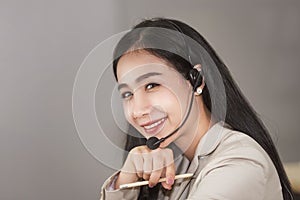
x=126 y=95
x=151 y=85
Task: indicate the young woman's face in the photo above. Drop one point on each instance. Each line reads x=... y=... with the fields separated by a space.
x=155 y=96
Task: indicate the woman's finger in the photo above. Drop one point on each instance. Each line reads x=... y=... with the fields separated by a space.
x=166 y=186
x=138 y=163
x=147 y=166
x=156 y=174
x=170 y=168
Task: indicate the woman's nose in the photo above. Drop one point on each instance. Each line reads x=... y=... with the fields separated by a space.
x=140 y=106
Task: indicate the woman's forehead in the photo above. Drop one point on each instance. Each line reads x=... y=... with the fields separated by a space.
x=133 y=65
x=138 y=58
x=157 y=71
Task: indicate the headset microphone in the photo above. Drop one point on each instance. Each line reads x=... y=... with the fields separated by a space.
x=195 y=78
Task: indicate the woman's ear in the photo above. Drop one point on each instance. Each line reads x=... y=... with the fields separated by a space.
x=195 y=75
x=198 y=67
x=201 y=86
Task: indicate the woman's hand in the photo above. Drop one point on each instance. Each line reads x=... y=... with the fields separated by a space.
x=148 y=164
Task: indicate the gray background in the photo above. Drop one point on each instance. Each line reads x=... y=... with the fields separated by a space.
x=43 y=43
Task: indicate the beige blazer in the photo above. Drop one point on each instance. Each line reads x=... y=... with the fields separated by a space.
x=228 y=165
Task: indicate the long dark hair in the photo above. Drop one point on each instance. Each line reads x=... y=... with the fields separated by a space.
x=239 y=113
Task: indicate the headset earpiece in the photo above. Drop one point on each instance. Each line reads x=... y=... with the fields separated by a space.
x=195 y=78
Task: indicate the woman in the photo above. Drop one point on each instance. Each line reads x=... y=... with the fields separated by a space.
x=175 y=88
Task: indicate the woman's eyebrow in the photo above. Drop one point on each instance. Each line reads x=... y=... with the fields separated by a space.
x=139 y=79
x=122 y=85
x=144 y=76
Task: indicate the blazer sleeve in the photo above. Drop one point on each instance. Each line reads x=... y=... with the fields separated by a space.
x=106 y=194
x=232 y=178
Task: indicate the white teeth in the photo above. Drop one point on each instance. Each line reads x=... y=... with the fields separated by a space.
x=154 y=124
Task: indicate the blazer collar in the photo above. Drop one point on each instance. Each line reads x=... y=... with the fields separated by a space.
x=209 y=142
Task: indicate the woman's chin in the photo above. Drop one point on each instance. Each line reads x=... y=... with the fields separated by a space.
x=166 y=143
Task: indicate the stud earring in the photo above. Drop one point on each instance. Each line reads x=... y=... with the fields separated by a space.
x=199 y=91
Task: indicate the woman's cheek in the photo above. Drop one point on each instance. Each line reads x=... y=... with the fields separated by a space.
x=170 y=100
x=127 y=111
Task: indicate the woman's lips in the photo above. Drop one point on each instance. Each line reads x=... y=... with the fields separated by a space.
x=154 y=127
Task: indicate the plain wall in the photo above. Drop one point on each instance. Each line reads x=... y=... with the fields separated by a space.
x=43 y=43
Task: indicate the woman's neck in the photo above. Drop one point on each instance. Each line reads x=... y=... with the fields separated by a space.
x=203 y=125
x=190 y=152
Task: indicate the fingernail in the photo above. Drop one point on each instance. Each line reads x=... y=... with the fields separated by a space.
x=150 y=185
x=170 y=181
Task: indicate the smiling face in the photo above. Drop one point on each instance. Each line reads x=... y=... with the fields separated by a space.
x=155 y=96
